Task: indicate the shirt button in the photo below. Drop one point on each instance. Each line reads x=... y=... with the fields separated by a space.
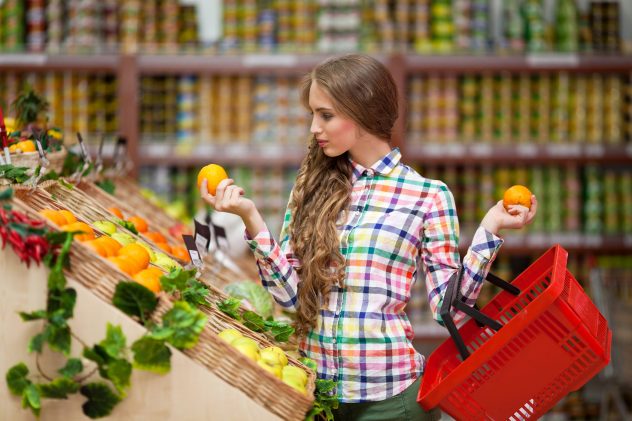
x=334 y=341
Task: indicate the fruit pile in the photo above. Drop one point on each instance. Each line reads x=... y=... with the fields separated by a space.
x=129 y=255
x=272 y=359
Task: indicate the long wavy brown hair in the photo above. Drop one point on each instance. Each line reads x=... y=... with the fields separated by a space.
x=362 y=89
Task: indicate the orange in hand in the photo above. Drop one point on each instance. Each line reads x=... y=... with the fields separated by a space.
x=517 y=195
x=214 y=174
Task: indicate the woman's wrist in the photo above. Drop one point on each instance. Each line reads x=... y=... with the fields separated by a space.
x=490 y=225
x=254 y=222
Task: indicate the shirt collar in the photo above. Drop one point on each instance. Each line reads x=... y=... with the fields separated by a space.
x=382 y=166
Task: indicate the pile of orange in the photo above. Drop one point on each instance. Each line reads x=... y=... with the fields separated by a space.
x=139 y=222
x=105 y=246
x=161 y=242
x=67 y=221
x=133 y=260
x=23 y=146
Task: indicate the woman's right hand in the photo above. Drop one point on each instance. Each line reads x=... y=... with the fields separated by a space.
x=229 y=198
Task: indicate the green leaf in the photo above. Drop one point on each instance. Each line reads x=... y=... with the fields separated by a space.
x=59 y=388
x=16 y=378
x=281 y=331
x=127 y=225
x=152 y=355
x=6 y=194
x=230 y=307
x=31 y=399
x=73 y=367
x=58 y=338
x=176 y=280
x=195 y=293
x=36 y=343
x=114 y=342
x=101 y=400
x=134 y=299
x=309 y=363
x=35 y=315
x=187 y=324
x=65 y=184
x=325 y=386
x=107 y=185
x=253 y=321
x=97 y=354
x=119 y=372
x=63 y=301
x=56 y=280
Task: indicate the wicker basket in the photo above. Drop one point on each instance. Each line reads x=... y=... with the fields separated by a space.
x=129 y=191
x=101 y=277
x=107 y=200
x=31 y=160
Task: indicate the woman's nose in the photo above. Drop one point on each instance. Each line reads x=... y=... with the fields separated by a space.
x=315 y=127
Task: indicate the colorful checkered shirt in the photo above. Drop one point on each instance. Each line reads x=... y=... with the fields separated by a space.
x=398 y=223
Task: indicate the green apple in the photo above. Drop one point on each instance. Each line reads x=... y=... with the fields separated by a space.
x=248 y=347
x=276 y=369
x=106 y=227
x=152 y=255
x=274 y=355
x=165 y=262
x=229 y=335
x=295 y=384
x=123 y=238
x=295 y=374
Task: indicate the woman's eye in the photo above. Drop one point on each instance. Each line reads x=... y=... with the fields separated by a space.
x=327 y=117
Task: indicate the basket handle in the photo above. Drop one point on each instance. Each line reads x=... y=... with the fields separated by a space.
x=453 y=298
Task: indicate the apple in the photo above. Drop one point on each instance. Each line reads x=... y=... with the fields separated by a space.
x=274 y=355
x=106 y=227
x=294 y=384
x=229 y=335
x=248 y=347
x=275 y=369
x=295 y=374
x=165 y=262
x=123 y=238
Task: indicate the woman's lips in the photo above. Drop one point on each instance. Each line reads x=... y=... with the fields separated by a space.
x=321 y=143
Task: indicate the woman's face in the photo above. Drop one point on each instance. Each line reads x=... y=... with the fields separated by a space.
x=335 y=133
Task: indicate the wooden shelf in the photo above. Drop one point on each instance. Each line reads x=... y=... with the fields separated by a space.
x=268 y=156
x=538 y=243
x=527 y=153
x=47 y=62
x=523 y=63
x=285 y=64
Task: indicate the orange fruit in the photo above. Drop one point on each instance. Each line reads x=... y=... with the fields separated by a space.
x=139 y=223
x=155 y=270
x=26 y=146
x=137 y=254
x=88 y=233
x=110 y=244
x=69 y=216
x=149 y=279
x=181 y=253
x=155 y=236
x=214 y=174
x=98 y=247
x=125 y=264
x=116 y=211
x=53 y=216
x=517 y=195
x=164 y=247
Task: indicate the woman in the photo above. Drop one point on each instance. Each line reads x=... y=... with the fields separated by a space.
x=357 y=225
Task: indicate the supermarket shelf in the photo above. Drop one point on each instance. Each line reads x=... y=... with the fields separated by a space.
x=525 y=153
x=232 y=64
x=534 y=243
x=524 y=63
x=229 y=154
x=47 y=62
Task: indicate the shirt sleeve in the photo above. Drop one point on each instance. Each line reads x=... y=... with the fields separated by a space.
x=440 y=254
x=277 y=264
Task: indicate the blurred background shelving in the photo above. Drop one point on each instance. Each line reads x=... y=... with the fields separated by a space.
x=536 y=92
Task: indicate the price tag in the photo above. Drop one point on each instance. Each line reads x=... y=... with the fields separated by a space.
x=594 y=150
x=432 y=149
x=564 y=150
x=202 y=235
x=220 y=237
x=527 y=149
x=193 y=251
x=481 y=149
x=267 y=60
x=555 y=60
x=454 y=149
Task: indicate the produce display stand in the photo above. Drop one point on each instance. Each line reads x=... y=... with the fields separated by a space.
x=530 y=346
x=230 y=369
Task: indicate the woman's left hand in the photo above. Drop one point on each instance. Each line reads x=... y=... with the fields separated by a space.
x=516 y=217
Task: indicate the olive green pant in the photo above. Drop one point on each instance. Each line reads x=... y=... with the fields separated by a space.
x=400 y=407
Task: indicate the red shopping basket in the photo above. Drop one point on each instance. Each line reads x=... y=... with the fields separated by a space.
x=550 y=339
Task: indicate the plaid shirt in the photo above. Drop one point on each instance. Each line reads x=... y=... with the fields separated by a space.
x=397 y=218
